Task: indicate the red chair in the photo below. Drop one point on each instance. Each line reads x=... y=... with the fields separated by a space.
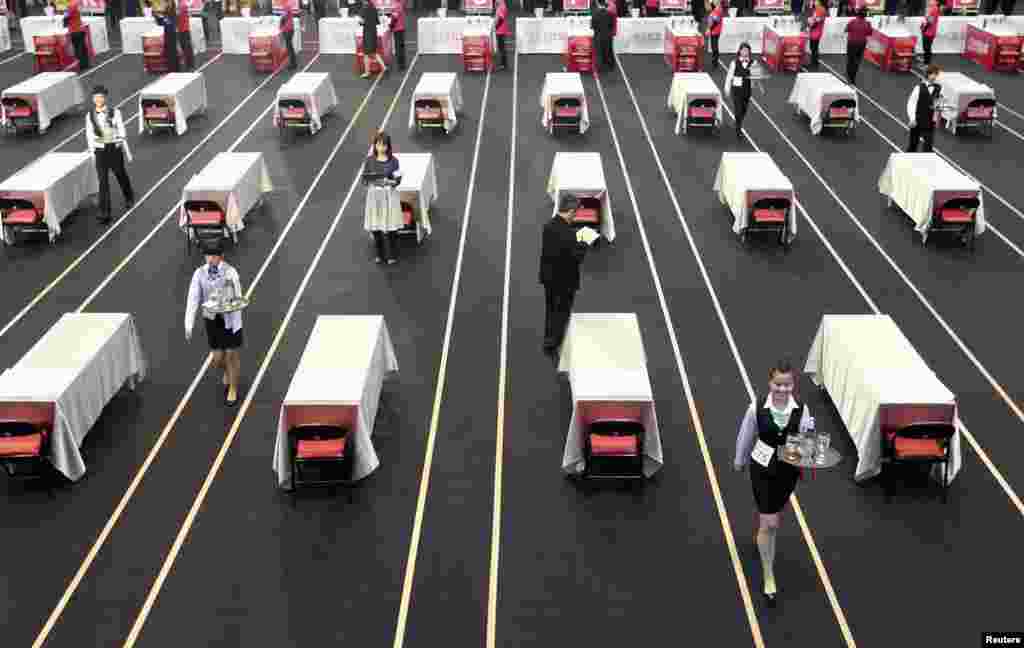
x=769 y=214
x=922 y=444
x=588 y=213
x=20 y=218
x=321 y=455
x=292 y=113
x=980 y=114
x=25 y=430
x=156 y=113
x=567 y=113
x=702 y=113
x=429 y=114
x=20 y=114
x=614 y=447
x=957 y=217
x=841 y=114
x=204 y=220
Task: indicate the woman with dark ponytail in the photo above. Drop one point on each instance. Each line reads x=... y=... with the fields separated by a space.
x=106 y=137
x=766 y=424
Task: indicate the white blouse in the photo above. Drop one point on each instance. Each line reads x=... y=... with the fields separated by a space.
x=748 y=428
x=202 y=287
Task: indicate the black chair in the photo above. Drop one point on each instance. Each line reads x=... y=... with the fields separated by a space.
x=429 y=114
x=292 y=113
x=840 y=114
x=21 y=116
x=567 y=114
x=204 y=220
x=957 y=217
x=156 y=114
x=919 y=444
x=702 y=113
x=24 y=448
x=769 y=215
x=20 y=218
x=322 y=455
x=614 y=449
x=980 y=113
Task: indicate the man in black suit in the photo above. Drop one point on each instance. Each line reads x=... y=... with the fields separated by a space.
x=560 y=257
x=603 y=25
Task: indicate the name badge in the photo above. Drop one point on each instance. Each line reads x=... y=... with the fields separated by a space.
x=737 y=82
x=762 y=453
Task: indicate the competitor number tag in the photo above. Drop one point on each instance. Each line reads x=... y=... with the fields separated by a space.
x=762 y=453
x=737 y=82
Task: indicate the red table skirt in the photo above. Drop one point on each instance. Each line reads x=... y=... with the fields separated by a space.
x=684 y=53
x=992 y=52
x=578 y=55
x=891 y=54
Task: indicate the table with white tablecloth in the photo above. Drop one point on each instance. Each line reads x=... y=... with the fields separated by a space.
x=444 y=35
x=33 y=25
x=234 y=32
x=315 y=90
x=687 y=86
x=418 y=187
x=912 y=180
x=958 y=91
x=641 y=35
x=443 y=87
x=183 y=92
x=563 y=85
x=814 y=92
x=867 y=365
x=546 y=35
x=57 y=182
x=132 y=30
x=949 y=39
x=78 y=365
x=740 y=174
x=603 y=355
x=235 y=181
x=52 y=94
x=338 y=35
x=5 y=34
x=582 y=175
x=343 y=366
x=742 y=30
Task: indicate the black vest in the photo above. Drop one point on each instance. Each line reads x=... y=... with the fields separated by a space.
x=768 y=432
x=743 y=73
x=96 y=125
x=926 y=98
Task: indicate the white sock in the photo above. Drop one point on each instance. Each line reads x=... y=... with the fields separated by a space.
x=766 y=547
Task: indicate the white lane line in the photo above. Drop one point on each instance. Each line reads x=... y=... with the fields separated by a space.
x=113 y=226
x=100 y=66
x=1010 y=110
x=16 y=56
x=186 y=526
x=1010 y=493
x=499 y=449
x=741 y=581
x=164 y=434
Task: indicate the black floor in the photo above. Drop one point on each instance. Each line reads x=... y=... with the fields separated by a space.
x=674 y=560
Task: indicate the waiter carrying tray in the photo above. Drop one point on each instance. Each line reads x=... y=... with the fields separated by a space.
x=105 y=135
x=562 y=249
x=214 y=289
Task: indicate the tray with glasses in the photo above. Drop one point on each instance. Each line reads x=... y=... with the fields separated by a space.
x=809 y=451
x=220 y=307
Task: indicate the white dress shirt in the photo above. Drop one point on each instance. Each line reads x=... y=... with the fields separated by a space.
x=114 y=130
x=203 y=286
x=748 y=428
x=912 y=103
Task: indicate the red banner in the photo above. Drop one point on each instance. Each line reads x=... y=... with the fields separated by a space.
x=577 y=5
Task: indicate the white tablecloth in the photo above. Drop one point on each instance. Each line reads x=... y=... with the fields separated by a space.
x=316 y=90
x=581 y=174
x=546 y=35
x=865 y=362
x=234 y=32
x=559 y=85
x=444 y=87
x=132 y=30
x=235 y=181
x=33 y=25
x=419 y=187
x=338 y=35
x=603 y=354
x=5 y=34
x=687 y=86
x=186 y=92
x=739 y=173
x=52 y=93
x=79 y=365
x=61 y=180
x=814 y=92
x=344 y=364
x=911 y=179
x=959 y=90
x=641 y=36
x=444 y=35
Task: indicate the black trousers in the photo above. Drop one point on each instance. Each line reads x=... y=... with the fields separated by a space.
x=185 y=40
x=605 y=53
x=111 y=159
x=81 y=52
x=1008 y=6
x=293 y=61
x=399 y=37
x=854 y=55
x=927 y=44
x=171 y=50
x=815 y=46
x=502 y=57
x=557 y=308
x=714 y=50
x=740 y=103
x=924 y=135
x=386 y=244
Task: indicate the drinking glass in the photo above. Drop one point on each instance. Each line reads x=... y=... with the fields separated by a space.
x=824 y=442
x=807 y=447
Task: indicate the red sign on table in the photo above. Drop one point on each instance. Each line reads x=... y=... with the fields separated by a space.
x=577 y=5
x=479 y=5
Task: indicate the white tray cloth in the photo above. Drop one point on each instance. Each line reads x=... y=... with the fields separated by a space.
x=79 y=365
x=641 y=35
x=687 y=86
x=345 y=362
x=739 y=173
x=63 y=179
x=36 y=25
x=419 y=186
x=55 y=93
x=316 y=90
x=603 y=354
x=444 y=35
x=865 y=362
x=958 y=90
x=558 y=85
x=5 y=34
x=581 y=173
x=132 y=30
x=187 y=90
x=443 y=86
x=237 y=181
x=234 y=32
x=911 y=179
x=814 y=92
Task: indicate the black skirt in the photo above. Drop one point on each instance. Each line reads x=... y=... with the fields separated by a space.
x=219 y=336
x=370 y=41
x=773 y=485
